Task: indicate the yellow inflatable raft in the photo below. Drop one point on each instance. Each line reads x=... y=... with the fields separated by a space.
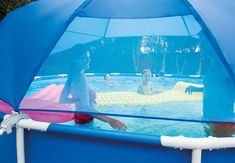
x=177 y=94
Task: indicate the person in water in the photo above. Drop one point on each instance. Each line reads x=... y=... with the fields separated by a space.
x=146 y=86
x=218 y=99
x=107 y=78
x=161 y=74
x=77 y=91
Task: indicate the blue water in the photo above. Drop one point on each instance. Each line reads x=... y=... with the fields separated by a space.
x=185 y=110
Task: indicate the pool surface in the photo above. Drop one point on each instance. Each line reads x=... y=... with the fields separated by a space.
x=181 y=110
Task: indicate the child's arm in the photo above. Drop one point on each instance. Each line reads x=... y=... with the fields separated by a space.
x=190 y=89
x=140 y=90
x=64 y=97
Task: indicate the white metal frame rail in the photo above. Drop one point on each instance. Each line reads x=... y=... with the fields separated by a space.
x=197 y=144
x=22 y=122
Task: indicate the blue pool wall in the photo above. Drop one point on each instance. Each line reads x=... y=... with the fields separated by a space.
x=73 y=144
x=62 y=143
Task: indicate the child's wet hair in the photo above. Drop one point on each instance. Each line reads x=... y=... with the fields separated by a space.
x=146 y=70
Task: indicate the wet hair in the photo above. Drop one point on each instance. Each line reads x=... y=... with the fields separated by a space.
x=105 y=75
x=75 y=53
x=78 y=51
x=145 y=70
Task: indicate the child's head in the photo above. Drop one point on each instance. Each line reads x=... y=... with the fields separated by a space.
x=146 y=76
x=107 y=77
x=161 y=73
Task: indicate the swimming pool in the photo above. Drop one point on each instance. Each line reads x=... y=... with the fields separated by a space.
x=179 y=110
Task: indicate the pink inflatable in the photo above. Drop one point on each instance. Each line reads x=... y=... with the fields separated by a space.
x=48 y=99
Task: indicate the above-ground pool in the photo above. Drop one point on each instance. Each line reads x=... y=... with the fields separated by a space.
x=190 y=110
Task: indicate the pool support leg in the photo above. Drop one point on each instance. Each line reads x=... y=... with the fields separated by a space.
x=196 y=155
x=20 y=145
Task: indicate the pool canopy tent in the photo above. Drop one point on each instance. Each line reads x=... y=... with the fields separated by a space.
x=29 y=34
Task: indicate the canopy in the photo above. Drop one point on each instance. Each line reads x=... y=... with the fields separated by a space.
x=39 y=25
x=217 y=19
x=81 y=30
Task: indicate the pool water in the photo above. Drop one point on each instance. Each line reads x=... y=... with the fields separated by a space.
x=157 y=127
x=182 y=110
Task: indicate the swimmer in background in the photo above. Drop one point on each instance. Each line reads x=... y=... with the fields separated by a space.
x=146 y=87
x=161 y=74
x=107 y=79
x=154 y=76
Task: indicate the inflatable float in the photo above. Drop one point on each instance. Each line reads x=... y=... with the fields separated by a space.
x=177 y=94
x=48 y=99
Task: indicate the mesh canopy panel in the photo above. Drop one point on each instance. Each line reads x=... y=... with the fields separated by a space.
x=136 y=69
x=124 y=62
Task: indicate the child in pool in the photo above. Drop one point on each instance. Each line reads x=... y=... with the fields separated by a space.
x=107 y=79
x=146 y=87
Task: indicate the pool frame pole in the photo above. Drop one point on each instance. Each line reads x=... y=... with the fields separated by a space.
x=20 y=126
x=20 y=145
x=196 y=155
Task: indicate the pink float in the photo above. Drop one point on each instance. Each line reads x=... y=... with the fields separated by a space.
x=48 y=99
